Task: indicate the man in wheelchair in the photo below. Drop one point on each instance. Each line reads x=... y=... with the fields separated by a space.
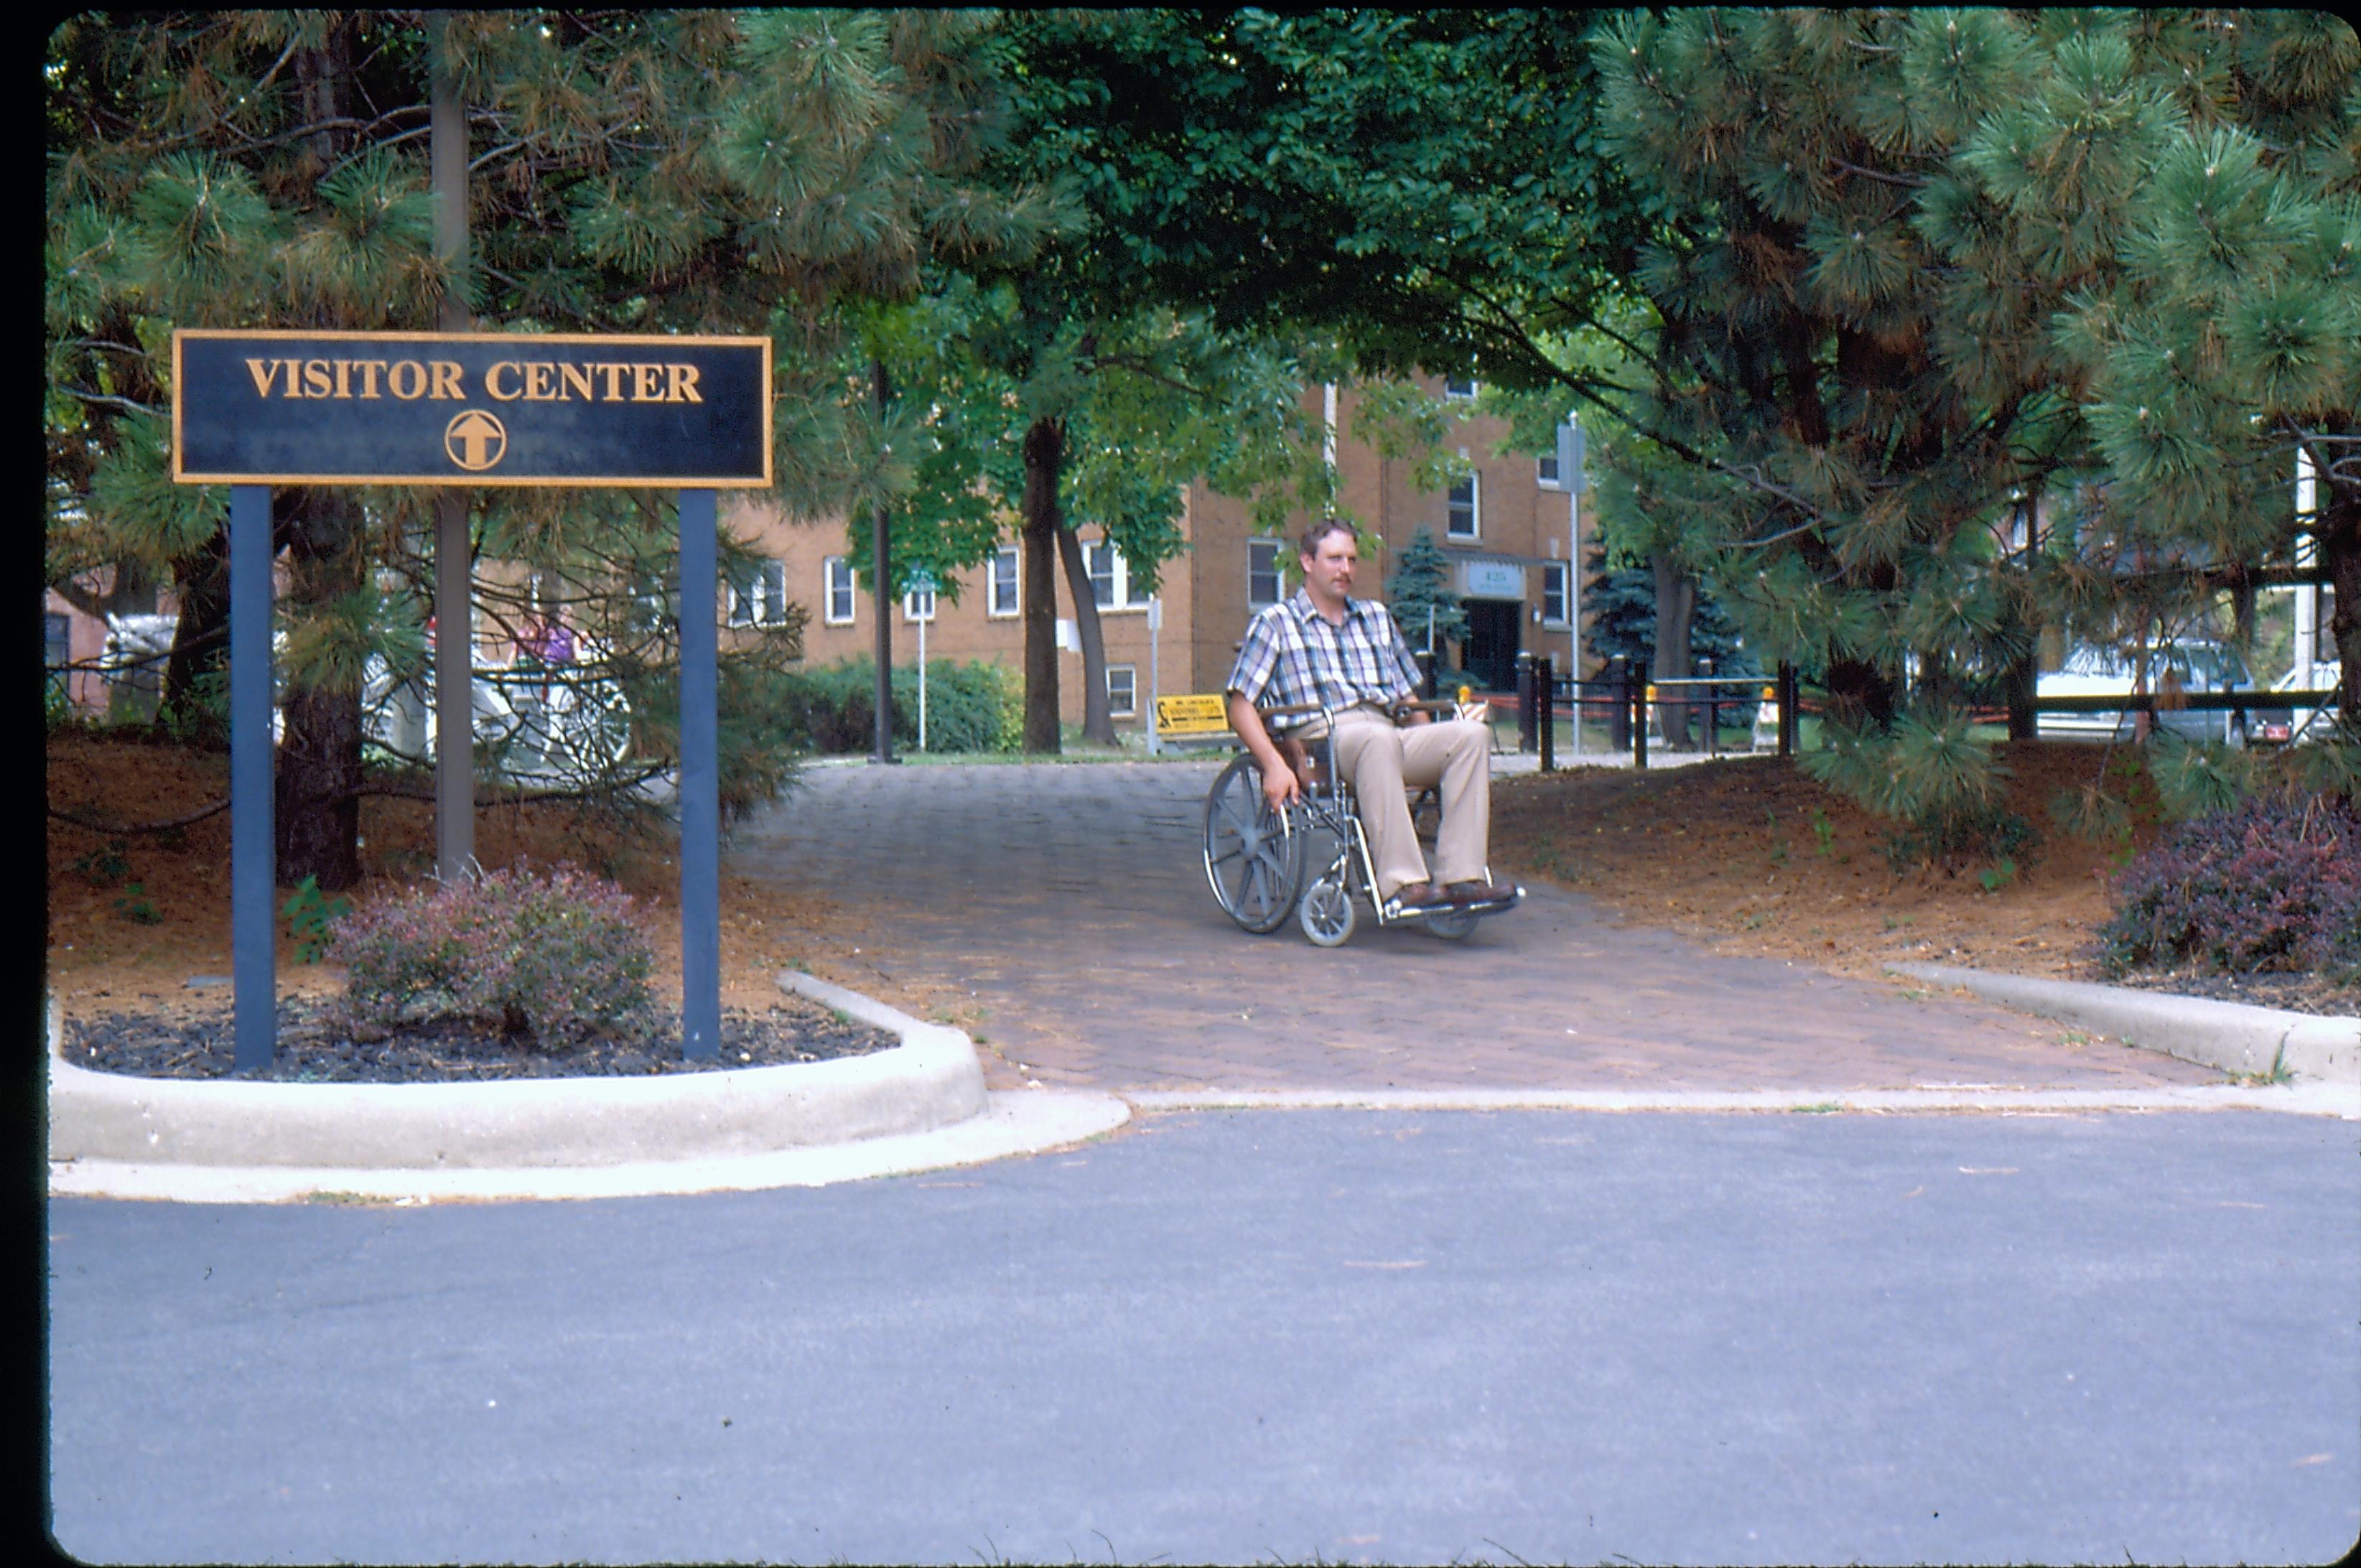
x=1323 y=647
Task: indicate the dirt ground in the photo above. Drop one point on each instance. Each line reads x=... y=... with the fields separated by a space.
x=1752 y=857
x=137 y=950
x=1746 y=854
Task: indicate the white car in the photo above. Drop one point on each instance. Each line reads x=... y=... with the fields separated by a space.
x=545 y=727
x=2278 y=725
x=2195 y=668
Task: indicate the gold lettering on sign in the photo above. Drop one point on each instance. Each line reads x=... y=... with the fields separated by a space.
x=410 y=388
x=577 y=379
x=447 y=380
x=369 y=369
x=315 y=377
x=492 y=381
x=541 y=381
x=684 y=384
x=614 y=373
x=647 y=383
x=264 y=372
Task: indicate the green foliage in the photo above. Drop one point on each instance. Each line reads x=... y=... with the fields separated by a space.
x=1419 y=595
x=549 y=956
x=136 y=907
x=970 y=707
x=1942 y=787
x=312 y=918
x=104 y=867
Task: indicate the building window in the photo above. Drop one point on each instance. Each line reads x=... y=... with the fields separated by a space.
x=1463 y=511
x=1262 y=572
x=1458 y=390
x=1123 y=690
x=758 y=596
x=1553 y=593
x=1110 y=577
x=837 y=574
x=1545 y=471
x=918 y=604
x=1003 y=581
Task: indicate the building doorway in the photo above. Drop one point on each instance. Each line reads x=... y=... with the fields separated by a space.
x=1493 y=627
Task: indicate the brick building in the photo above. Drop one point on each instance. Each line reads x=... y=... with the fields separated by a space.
x=1506 y=533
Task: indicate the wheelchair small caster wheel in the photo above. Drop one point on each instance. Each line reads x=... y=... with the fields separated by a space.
x=1452 y=927
x=1326 y=912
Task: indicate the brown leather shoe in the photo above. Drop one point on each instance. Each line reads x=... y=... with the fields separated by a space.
x=1417 y=895
x=1464 y=893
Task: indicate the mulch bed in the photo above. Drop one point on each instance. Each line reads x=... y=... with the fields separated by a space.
x=313 y=1049
x=2289 y=992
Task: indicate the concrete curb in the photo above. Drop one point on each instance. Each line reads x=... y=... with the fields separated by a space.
x=1020 y=1123
x=914 y=1106
x=2230 y=1036
x=928 y=1081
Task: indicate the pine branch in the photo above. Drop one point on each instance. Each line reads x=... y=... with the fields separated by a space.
x=108 y=400
x=117 y=829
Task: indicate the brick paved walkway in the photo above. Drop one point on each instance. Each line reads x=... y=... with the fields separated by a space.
x=1071 y=901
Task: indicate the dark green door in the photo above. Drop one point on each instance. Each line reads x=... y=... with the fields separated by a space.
x=1492 y=629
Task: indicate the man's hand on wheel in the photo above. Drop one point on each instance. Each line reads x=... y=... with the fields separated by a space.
x=1279 y=786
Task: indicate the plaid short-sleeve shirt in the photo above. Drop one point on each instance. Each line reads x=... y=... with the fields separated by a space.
x=1291 y=655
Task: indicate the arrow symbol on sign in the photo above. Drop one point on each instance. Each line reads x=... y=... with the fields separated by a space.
x=475 y=439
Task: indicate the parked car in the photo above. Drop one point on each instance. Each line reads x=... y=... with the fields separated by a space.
x=2192 y=668
x=2277 y=724
x=542 y=727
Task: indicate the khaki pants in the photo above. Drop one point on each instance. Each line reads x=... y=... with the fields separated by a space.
x=1379 y=758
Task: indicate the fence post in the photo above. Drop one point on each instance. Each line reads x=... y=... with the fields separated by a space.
x=1646 y=696
x=1525 y=741
x=1424 y=659
x=1545 y=695
x=1618 y=681
x=1712 y=710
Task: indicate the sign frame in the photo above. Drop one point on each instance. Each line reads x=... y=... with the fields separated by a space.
x=458 y=476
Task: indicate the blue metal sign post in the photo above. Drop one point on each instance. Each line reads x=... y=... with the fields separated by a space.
x=254 y=971
x=252 y=410
x=701 y=781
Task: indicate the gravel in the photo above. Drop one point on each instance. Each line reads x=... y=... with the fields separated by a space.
x=312 y=1047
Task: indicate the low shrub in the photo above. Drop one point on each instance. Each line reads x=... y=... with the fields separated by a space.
x=2271 y=883
x=970 y=707
x=554 y=956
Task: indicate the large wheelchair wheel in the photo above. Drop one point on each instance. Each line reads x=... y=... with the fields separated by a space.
x=1254 y=856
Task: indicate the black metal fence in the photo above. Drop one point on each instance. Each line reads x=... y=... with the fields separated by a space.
x=1623 y=695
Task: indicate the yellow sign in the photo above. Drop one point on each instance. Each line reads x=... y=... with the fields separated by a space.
x=1199 y=713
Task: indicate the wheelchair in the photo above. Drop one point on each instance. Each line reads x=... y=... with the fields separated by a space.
x=1263 y=865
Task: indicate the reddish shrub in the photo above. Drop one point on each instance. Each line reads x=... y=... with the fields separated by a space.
x=552 y=955
x=2271 y=883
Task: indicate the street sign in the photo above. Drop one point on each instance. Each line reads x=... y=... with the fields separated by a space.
x=390 y=408
x=1196 y=713
x=1569 y=457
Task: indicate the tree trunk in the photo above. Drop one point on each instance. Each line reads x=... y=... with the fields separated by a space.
x=1675 y=614
x=880 y=581
x=315 y=800
x=1098 y=725
x=2018 y=689
x=1861 y=696
x=200 y=642
x=2339 y=534
x=1045 y=453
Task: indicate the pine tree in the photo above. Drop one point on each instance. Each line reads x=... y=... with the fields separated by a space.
x=1418 y=592
x=638 y=172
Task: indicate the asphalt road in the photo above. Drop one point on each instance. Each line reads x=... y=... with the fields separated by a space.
x=1290 y=1336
